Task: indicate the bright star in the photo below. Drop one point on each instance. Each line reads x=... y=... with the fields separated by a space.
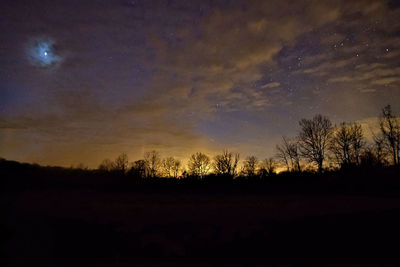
x=41 y=53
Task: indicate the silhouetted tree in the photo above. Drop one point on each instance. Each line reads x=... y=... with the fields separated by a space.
x=171 y=167
x=267 y=167
x=379 y=148
x=106 y=165
x=185 y=174
x=226 y=163
x=250 y=166
x=314 y=139
x=167 y=165
x=80 y=166
x=288 y=153
x=346 y=144
x=121 y=163
x=176 y=168
x=283 y=155
x=199 y=164
x=139 y=169
x=372 y=158
x=153 y=162
x=390 y=129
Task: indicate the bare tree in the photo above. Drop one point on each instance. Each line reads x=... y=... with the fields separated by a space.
x=250 y=166
x=167 y=165
x=288 y=154
x=176 y=168
x=371 y=157
x=171 y=167
x=346 y=144
x=121 y=163
x=358 y=142
x=379 y=148
x=314 y=139
x=294 y=154
x=199 y=164
x=226 y=163
x=106 y=165
x=153 y=162
x=390 y=129
x=267 y=167
x=139 y=168
x=283 y=155
x=80 y=166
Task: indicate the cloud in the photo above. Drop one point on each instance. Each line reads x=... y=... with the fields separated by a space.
x=374 y=74
x=367 y=90
x=340 y=79
x=229 y=56
x=271 y=85
x=386 y=81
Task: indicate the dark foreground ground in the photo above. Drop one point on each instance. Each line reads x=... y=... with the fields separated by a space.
x=56 y=217
x=83 y=226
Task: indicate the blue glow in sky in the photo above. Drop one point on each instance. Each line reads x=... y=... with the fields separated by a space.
x=42 y=53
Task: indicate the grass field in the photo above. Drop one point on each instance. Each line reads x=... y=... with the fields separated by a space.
x=58 y=226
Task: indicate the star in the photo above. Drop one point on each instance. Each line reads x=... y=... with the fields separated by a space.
x=42 y=53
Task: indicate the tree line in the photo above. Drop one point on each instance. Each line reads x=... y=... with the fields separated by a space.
x=319 y=145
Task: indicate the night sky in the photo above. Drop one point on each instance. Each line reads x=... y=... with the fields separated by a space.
x=81 y=81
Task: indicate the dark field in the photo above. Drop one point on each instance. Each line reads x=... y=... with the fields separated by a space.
x=64 y=217
x=72 y=226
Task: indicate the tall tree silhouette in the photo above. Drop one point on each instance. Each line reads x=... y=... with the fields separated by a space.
x=121 y=163
x=171 y=167
x=346 y=144
x=167 y=165
x=153 y=162
x=176 y=168
x=267 y=167
x=106 y=165
x=288 y=153
x=390 y=129
x=379 y=148
x=314 y=139
x=139 y=169
x=199 y=164
x=250 y=166
x=226 y=163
